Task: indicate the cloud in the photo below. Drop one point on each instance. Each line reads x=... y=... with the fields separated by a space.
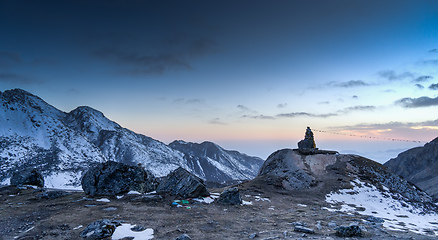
x=419 y=86
x=422 y=79
x=355 y=97
x=432 y=124
x=173 y=55
x=217 y=121
x=430 y=62
x=433 y=50
x=189 y=101
x=393 y=76
x=16 y=78
x=243 y=108
x=259 y=117
x=417 y=102
x=357 y=108
x=324 y=102
x=349 y=84
x=282 y=105
x=434 y=86
x=306 y=114
x=7 y=58
x=136 y=63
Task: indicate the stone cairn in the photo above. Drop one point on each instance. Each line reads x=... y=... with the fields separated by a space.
x=308 y=142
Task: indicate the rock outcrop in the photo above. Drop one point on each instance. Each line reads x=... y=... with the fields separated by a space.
x=33 y=178
x=294 y=171
x=184 y=184
x=419 y=166
x=112 y=178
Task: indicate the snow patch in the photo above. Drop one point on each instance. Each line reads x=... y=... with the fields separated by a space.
x=103 y=200
x=125 y=231
x=62 y=180
x=398 y=214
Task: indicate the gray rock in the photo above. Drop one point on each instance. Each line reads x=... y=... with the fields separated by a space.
x=304 y=229
x=348 y=231
x=184 y=237
x=99 y=229
x=184 y=184
x=230 y=196
x=113 y=178
x=33 y=178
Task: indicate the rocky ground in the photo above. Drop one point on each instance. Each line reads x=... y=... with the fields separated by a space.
x=272 y=214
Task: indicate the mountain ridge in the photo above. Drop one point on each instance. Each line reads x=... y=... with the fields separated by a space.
x=62 y=145
x=419 y=165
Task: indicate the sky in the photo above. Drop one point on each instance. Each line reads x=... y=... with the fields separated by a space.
x=247 y=75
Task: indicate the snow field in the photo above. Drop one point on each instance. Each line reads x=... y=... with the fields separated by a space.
x=398 y=214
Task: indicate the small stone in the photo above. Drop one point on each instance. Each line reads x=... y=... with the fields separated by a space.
x=138 y=228
x=184 y=237
x=304 y=229
x=350 y=231
x=254 y=235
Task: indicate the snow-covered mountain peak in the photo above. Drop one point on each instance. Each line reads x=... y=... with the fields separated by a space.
x=89 y=121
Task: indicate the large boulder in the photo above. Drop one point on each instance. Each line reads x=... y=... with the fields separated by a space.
x=113 y=178
x=33 y=178
x=184 y=184
x=230 y=196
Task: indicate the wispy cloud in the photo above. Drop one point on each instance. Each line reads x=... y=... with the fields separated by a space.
x=357 y=108
x=217 y=121
x=7 y=58
x=433 y=50
x=417 y=102
x=156 y=60
x=349 y=84
x=419 y=86
x=393 y=76
x=259 y=117
x=136 y=63
x=390 y=126
x=189 y=101
x=243 y=108
x=282 y=105
x=433 y=86
x=17 y=78
x=305 y=114
x=422 y=79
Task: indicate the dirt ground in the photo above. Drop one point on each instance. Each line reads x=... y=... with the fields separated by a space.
x=273 y=216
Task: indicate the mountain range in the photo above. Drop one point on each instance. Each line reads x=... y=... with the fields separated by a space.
x=34 y=134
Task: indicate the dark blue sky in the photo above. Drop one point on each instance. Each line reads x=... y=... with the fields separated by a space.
x=233 y=72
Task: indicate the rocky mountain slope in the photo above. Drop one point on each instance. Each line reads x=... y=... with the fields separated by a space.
x=34 y=134
x=216 y=164
x=419 y=166
x=351 y=184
